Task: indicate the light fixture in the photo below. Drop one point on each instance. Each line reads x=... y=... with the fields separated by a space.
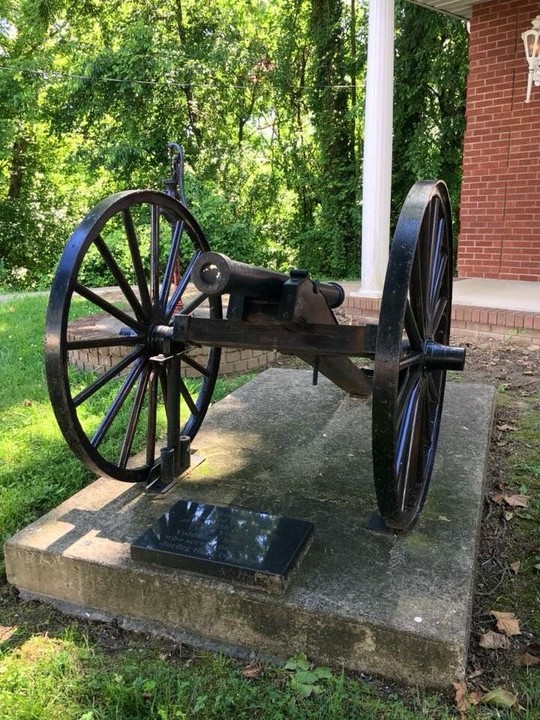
x=532 y=50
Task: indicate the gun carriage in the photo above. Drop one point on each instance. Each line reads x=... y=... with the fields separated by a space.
x=134 y=421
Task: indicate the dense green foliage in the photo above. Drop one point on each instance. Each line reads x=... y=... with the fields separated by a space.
x=266 y=97
x=429 y=100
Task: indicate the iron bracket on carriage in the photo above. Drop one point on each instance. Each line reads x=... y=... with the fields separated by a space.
x=134 y=419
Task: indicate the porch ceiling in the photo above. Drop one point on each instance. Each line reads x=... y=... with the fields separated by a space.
x=460 y=8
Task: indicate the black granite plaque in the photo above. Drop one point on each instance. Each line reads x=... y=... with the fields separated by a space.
x=230 y=543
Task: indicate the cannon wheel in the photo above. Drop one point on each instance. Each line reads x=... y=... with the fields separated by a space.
x=113 y=419
x=408 y=388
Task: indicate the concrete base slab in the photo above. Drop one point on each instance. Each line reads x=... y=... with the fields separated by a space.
x=393 y=605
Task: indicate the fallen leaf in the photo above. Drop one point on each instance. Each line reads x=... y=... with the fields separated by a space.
x=500 y=698
x=27 y=403
x=502 y=614
x=475 y=674
x=497 y=498
x=461 y=697
x=504 y=427
x=443 y=518
x=516 y=501
x=515 y=567
x=6 y=632
x=494 y=641
x=507 y=622
x=508 y=626
x=508 y=515
x=527 y=660
x=252 y=671
x=476 y=697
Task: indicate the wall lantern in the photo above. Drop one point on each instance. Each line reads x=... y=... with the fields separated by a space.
x=532 y=50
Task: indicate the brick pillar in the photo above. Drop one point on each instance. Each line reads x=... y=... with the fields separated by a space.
x=500 y=198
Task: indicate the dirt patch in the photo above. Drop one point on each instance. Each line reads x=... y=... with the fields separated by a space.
x=505 y=546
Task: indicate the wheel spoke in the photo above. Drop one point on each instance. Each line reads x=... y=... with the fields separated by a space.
x=154 y=254
x=438 y=315
x=436 y=251
x=172 y=260
x=108 y=307
x=116 y=405
x=426 y=418
x=411 y=328
x=434 y=247
x=116 y=341
x=425 y=242
x=410 y=360
x=194 y=304
x=407 y=386
x=195 y=365
x=137 y=261
x=406 y=427
x=410 y=470
x=133 y=418
x=152 y=418
x=182 y=285
x=187 y=398
x=106 y=377
x=435 y=289
x=119 y=277
x=417 y=292
x=433 y=390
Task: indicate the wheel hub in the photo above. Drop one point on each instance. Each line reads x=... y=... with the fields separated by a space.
x=443 y=357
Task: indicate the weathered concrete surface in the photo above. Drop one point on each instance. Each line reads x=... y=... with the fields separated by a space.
x=394 y=605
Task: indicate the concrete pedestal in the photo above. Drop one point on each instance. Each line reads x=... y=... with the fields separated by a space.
x=394 y=605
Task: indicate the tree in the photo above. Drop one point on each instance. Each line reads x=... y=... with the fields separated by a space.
x=265 y=96
x=429 y=100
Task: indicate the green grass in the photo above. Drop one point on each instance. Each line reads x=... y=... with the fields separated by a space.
x=68 y=679
x=522 y=591
x=32 y=451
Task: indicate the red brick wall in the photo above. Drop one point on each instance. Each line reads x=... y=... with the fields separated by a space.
x=500 y=198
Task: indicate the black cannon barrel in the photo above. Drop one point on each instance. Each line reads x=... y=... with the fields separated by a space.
x=216 y=274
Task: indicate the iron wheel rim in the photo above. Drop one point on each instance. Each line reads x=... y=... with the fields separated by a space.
x=407 y=395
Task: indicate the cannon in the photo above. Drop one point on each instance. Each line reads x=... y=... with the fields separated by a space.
x=133 y=418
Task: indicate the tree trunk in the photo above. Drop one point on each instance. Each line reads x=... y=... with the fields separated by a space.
x=193 y=113
x=17 y=168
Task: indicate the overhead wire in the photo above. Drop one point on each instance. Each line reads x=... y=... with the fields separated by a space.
x=49 y=75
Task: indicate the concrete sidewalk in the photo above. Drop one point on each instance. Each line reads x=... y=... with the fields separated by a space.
x=515 y=295
x=500 y=294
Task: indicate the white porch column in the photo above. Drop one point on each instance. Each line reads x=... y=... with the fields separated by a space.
x=377 y=174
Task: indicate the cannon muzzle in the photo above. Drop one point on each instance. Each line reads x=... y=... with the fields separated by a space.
x=216 y=274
